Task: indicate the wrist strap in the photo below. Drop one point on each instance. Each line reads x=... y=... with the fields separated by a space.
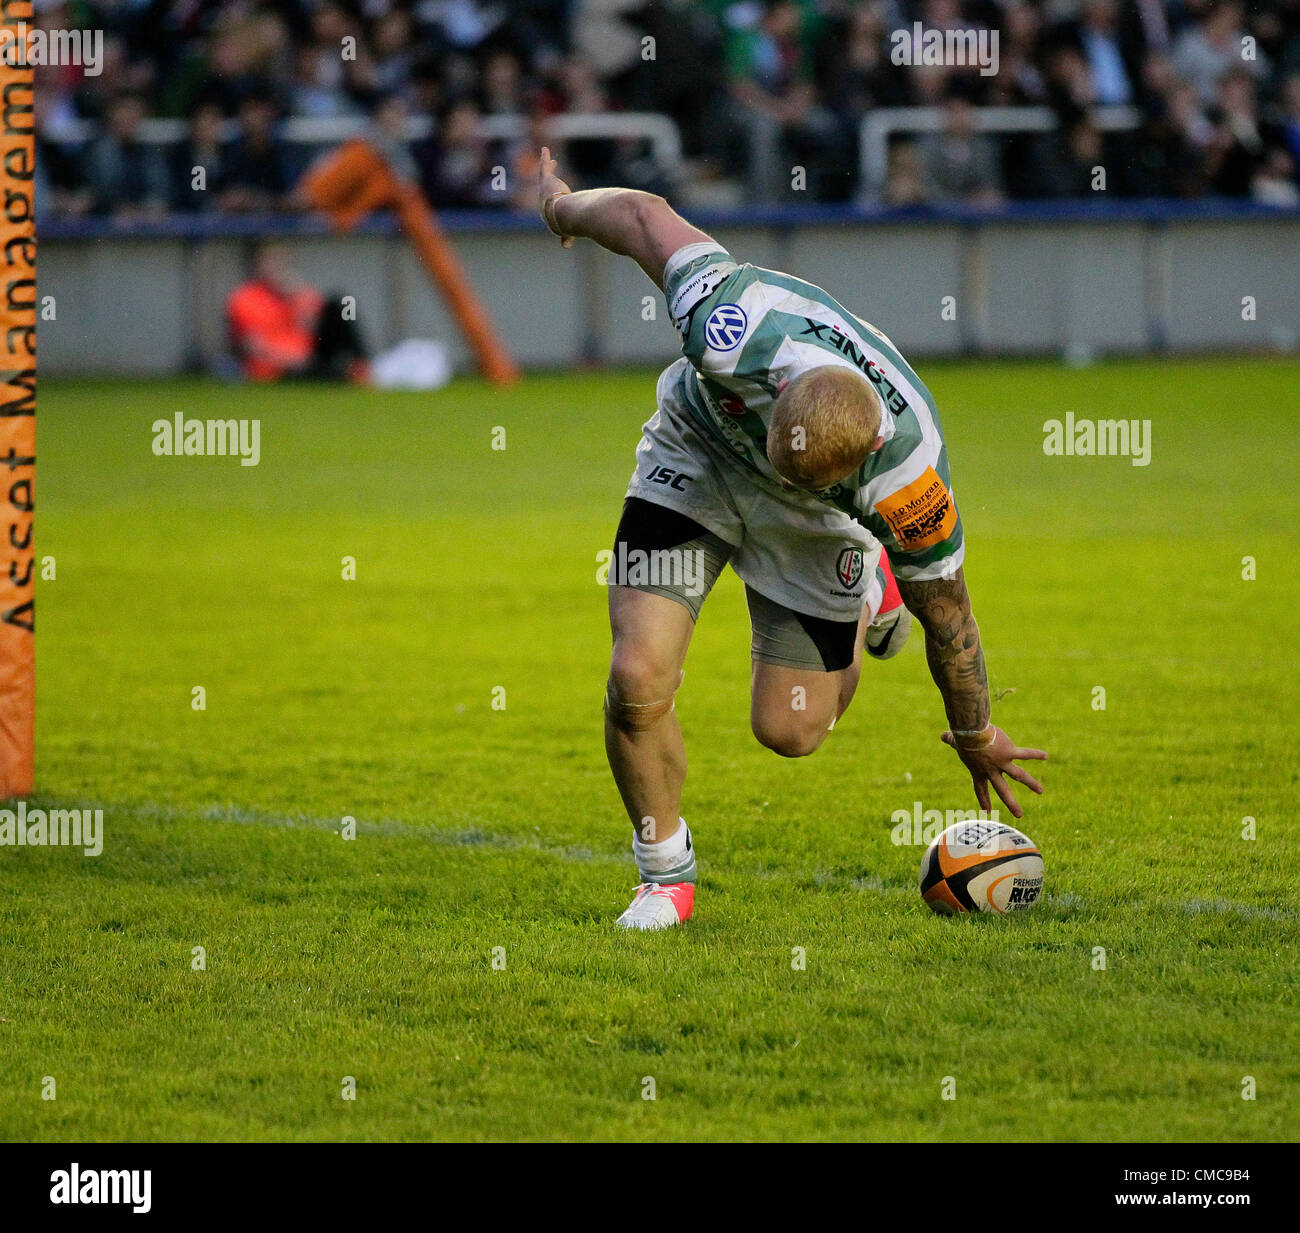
x=975 y=739
x=549 y=216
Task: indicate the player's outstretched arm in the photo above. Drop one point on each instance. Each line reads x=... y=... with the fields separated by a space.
x=952 y=647
x=624 y=220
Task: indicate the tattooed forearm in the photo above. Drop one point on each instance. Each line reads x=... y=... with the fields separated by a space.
x=952 y=648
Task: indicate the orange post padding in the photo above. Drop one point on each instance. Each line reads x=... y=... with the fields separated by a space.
x=17 y=414
x=355 y=180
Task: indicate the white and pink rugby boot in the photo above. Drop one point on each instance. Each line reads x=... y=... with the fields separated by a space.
x=659 y=906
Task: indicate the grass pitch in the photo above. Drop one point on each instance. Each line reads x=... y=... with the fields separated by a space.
x=482 y=828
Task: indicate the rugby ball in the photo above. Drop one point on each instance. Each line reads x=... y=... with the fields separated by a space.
x=981 y=866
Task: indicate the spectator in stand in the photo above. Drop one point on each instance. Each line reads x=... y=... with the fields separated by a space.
x=127 y=176
x=426 y=91
x=467 y=24
x=62 y=185
x=322 y=85
x=1099 y=39
x=394 y=46
x=1274 y=183
x=387 y=133
x=856 y=75
x=1239 y=145
x=522 y=158
x=1155 y=82
x=203 y=148
x=1147 y=27
x=857 y=67
x=61 y=88
x=317 y=91
x=905 y=182
x=579 y=87
x=61 y=188
x=780 y=121
x=579 y=91
x=1168 y=160
x=456 y=163
x=1189 y=116
x=1194 y=127
x=1019 y=79
x=258 y=174
x=231 y=69
x=280 y=326
x=684 y=38
x=1020 y=82
x=1075 y=154
x=1204 y=52
x=948 y=15
x=502 y=90
x=120 y=75
x=1290 y=135
x=961 y=165
x=1070 y=88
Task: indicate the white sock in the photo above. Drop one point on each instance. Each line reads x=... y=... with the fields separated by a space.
x=669 y=860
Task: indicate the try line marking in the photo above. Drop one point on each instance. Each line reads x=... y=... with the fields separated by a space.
x=815 y=880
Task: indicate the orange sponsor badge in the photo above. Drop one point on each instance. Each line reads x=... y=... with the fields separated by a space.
x=922 y=514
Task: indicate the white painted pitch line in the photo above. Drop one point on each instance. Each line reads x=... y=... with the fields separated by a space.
x=473 y=837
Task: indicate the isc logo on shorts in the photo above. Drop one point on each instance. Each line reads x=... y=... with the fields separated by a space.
x=725 y=327
x=667 y=475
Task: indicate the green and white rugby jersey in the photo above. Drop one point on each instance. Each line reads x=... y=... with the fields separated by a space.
x=745 y=330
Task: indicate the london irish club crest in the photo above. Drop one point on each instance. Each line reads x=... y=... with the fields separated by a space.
x=849 y=566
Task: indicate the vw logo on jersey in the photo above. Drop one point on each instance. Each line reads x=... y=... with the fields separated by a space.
x=725 y=327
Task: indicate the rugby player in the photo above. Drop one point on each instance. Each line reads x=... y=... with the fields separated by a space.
x=793 y=441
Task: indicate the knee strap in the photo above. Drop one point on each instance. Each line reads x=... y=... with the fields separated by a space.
x=636 y=716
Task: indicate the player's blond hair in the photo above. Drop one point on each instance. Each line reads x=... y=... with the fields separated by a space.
x=822 y=426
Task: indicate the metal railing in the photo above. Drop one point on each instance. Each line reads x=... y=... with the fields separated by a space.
x=660 y=131
x=874 y=133
x=880 y=125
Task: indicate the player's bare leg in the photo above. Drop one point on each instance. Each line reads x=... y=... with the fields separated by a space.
x=643 y=741
x=793 y=705
x=791 y=710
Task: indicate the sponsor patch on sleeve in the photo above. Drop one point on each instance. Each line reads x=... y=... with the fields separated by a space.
x=697 y=287
x=922 y=514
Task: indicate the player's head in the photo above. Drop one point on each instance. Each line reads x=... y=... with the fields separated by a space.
x=270 y=263
x=823 y=425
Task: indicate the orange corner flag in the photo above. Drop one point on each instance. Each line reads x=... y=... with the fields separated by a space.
x=355 y=180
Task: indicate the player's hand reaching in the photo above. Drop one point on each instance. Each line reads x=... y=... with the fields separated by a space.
x=549 y=187
x=989 y=756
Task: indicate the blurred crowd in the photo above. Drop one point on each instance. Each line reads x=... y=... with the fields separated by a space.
x=769 y=97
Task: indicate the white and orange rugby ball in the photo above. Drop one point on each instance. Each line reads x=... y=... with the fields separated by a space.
x=981 y=866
